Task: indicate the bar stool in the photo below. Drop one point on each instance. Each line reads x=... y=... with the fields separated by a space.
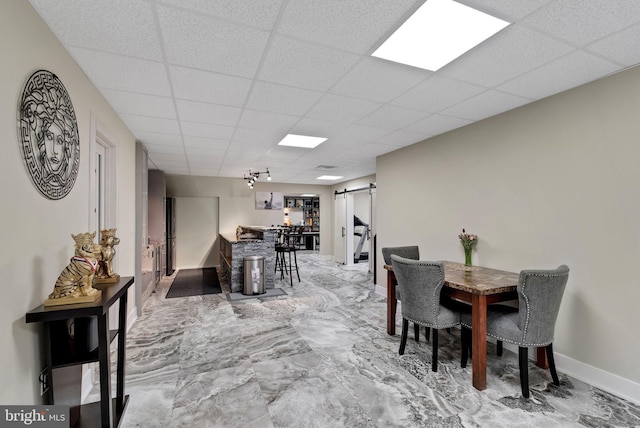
x=285 y=244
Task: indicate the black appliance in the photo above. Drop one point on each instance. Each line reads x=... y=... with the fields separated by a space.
x=170 y=220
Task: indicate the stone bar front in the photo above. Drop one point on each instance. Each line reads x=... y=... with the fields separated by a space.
x=247 y=241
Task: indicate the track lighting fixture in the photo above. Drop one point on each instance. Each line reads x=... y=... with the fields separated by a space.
x=253 y=176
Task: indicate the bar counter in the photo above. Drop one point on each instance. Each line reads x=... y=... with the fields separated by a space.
x=253 y=241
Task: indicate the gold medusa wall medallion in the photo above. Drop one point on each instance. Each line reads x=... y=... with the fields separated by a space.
x=48 y=135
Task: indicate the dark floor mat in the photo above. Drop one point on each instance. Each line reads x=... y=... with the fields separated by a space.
x=195 y=282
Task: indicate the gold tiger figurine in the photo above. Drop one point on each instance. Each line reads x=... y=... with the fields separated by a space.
x=105 y=254
x=75 y=283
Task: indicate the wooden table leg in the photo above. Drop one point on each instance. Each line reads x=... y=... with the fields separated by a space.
x=479 y=341
x=541 y=358
x=391 y=303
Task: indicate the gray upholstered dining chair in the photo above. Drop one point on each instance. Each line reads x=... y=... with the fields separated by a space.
x=408 y=252
x=420 y=284
x=532 y=324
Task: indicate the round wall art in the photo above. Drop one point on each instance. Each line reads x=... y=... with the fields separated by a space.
x=48 y=135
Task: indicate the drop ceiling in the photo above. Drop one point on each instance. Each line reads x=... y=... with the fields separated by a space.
x=210 y=87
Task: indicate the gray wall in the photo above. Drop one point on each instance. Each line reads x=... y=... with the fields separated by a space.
x=553 y=182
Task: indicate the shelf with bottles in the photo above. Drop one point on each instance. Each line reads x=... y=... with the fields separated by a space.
x=303 y=210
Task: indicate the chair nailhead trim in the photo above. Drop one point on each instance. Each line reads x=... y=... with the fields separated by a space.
x=524 y=295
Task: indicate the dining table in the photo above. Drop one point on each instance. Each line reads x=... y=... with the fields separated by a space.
x=479 y=286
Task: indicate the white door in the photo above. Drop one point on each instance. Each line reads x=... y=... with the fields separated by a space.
x=343 y=234
x=340 y=232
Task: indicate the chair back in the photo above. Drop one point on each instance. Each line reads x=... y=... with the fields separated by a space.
x=420 y=283
x=540 y=294
x=295 y=237
x=409 y=252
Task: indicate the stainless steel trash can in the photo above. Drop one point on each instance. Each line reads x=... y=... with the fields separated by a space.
x=253 y=275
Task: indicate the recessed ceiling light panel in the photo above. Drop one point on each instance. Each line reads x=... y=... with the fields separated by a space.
x=305 y=141
x=437 y=33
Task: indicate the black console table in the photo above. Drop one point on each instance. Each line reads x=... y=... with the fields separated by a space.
x=88 y=343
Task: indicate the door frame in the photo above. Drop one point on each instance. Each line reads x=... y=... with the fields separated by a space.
x=102 y=143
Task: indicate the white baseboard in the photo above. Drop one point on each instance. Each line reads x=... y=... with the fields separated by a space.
x=609 y=382
x=381 y=290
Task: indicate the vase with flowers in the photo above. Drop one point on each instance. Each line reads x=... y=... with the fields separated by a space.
x=468 y=241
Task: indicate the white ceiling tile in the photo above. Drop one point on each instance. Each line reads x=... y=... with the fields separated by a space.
x=193 y=111
x=342 y=109
x=507 y=10
x=125 y=27
x=584 y=21
x=362 y=133
x=248 y=136
x=437 y=93
x=354 y=25
x=212 y=44
x=485 y=105
x=258 y=13
x=242 y=157
x=209 y=87
x=156 y=145
x=622 y=47
x=275 y=164
x=257 y=145
x=304 y=65
x=379 y=80
x=513 y=51
x=151 y=124
x=393 y=117
x=204 y=154
x=566 y=72
x=140 y=104
x=317 y=128
x=164 y=156
x=283 y=152
x=208 y=143
x=255 y=119
x=206 y=130
x=437 y=124
x=276 y=98
x=106 y=72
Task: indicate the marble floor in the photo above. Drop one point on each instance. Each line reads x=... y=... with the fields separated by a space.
x=320 y=357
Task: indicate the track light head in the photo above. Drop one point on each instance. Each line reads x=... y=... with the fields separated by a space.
x=253 y=176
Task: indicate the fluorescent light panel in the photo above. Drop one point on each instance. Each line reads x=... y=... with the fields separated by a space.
x=305 y=141
x=437 y=33
x=329 y=177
